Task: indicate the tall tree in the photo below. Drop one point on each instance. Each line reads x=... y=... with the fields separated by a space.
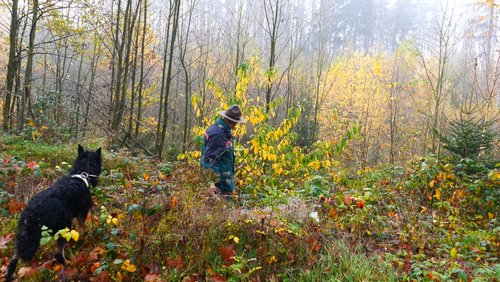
x=356 y=20
x=122 y=82
x=183 y=49
x=115 y=49
x=321 y=88
x=11 y=66
x=434 y=60
x=273 y=13
x=96 y=53
x=116 y=117
x=168 y=77
x=141 y=82
x=28 y=74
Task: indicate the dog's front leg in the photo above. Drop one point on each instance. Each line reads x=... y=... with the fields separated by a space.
x=81 y=223
x=60 y=258
x=59 y=255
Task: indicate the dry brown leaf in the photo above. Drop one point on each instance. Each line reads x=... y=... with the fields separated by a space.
x=178 y=263
x=228 y=254
x=79 y=259
x=94 y=255
x=217 y=278
x=15 y=206
x=5 y=240
x=26 y=272
x=152 y=278
x=102 y=277
x=70 y=272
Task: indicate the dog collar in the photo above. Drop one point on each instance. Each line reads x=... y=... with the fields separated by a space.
x=83 y=176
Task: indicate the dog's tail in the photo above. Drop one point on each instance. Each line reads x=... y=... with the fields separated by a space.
x=11 y=269
x=27 y=243
x=28 y=237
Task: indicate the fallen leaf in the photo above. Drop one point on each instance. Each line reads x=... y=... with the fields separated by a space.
x=152 y=278
x=31 y=123
x=216 y=278
x=95 y=266
x=94 y=255
x=103 y=277
x=146 y=269
x=174 y=202
x=31 y=165
x=347 y=200
x=438 y=194
x=47 y=265
x=26 y=272
x=70 y=272
x=228 y=254
x=178 y=263
x=5 y=240
x=291 y=257
x=79 y=259
x=128 y=266
x=14 y=206
x=360 y=204
x=332 y=213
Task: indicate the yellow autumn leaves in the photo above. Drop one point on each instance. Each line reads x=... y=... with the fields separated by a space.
x=128 y=266
x=68 y=234
x=269 y=158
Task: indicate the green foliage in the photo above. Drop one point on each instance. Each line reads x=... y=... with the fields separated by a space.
x=316 y=186
x=46 y=236
x=341 y=262
x=469 y=138
x=304 y=126
x=37 y=150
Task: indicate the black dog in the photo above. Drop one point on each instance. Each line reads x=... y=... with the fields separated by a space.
x=56 y=207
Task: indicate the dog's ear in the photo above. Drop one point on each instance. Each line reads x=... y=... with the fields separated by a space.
x=98 y=152
x=80 y=149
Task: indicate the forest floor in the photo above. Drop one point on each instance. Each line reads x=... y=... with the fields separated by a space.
x=154 y=221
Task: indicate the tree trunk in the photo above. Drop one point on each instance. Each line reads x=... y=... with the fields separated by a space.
x=119 y=74
x=93 y=66
x=175 y=25
x=164 y=75
x=187 y=85
x=125 y=84
x=134 y=72
x=116 y=48
x=273 y=37
x=28 y=74
x=11 y=66
x=77 y=99
x=141 y=82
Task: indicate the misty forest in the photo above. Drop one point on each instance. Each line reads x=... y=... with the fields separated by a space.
x=371 y=149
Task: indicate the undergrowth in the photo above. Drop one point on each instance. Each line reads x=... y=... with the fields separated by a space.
x=159 y=222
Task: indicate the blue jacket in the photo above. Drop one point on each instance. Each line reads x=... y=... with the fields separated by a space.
x=217 y=153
